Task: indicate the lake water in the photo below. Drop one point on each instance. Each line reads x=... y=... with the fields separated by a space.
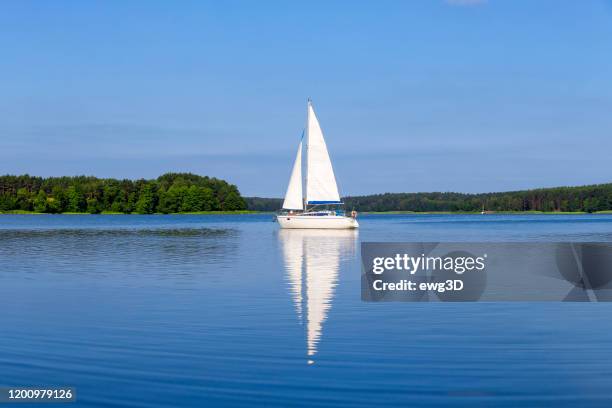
x=181 y=311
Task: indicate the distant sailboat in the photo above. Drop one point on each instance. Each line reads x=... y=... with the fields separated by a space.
x=486 y=211
x=315 y=202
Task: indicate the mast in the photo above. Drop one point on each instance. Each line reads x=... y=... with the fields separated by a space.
x=305 y=184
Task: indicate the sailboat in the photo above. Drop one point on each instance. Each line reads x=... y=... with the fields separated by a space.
x=314 y=202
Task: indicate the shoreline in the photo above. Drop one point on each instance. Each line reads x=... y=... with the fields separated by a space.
x=488 y=213
x=239 y=212
x=252 y=212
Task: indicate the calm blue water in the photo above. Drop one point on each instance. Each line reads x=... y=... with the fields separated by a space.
x=181 y=311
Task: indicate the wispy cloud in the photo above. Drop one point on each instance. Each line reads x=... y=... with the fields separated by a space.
x=467 y=3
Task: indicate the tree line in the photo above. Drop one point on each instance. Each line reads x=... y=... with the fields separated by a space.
x=559 y=199
x=169 y=193
x=589 y=199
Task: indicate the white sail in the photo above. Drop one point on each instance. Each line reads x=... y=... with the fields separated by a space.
x=293 y=197
x=321 y=184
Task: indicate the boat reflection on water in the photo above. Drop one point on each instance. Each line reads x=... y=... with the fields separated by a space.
x=312 y=262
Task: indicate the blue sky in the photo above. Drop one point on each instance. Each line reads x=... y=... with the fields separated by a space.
x=460 y=95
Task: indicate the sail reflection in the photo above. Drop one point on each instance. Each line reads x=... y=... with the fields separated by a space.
x=312 y=262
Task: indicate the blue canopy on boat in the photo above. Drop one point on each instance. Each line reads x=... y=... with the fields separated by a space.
x=325 y=202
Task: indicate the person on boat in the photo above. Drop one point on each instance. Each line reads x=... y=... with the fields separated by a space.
x=354 y=214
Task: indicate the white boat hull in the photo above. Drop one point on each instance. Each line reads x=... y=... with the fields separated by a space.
x=317 y=222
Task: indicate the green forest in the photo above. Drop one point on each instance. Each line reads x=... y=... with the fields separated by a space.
x=186 y=192
x=169 y=193
x=588 y=199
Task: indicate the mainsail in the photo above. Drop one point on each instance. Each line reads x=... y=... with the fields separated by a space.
x=321 y=185
x=293 y=197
